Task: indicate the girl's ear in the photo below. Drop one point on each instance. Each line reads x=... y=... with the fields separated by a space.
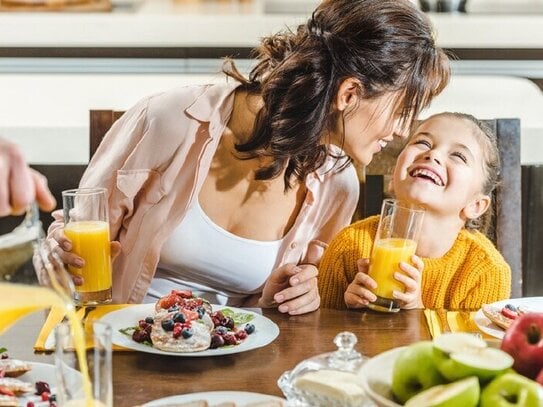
x=477 y=207
x=348 y=93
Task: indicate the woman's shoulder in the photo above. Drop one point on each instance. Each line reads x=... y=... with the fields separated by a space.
x=176 y=100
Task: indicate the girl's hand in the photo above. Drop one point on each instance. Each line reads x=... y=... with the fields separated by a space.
x=293 y=289
x=358 y=293
x=412 y=279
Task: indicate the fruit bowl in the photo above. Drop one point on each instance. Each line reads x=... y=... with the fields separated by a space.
x=377 y=378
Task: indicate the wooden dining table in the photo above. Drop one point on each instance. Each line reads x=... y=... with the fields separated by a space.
x=140 y=377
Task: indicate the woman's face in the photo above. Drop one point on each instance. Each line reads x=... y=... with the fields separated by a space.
x=441 y=167
x=368 y=126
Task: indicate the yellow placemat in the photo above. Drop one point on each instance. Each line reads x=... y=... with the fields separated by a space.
x=56 y=315
x=440 y=321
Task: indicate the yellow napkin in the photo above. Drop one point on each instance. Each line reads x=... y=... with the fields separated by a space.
x=440 y=321
x=56 y=315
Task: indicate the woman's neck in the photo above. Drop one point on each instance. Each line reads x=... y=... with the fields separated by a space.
x=437 y=235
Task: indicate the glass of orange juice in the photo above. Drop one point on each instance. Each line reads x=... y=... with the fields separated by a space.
x=395 y=242
x=86 y=225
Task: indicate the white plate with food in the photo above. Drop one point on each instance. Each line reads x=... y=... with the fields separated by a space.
x=528 y=304
x=237 y=398
x=125 y=321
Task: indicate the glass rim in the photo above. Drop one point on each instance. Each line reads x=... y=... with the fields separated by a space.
x=404 y=205
x=83 y=191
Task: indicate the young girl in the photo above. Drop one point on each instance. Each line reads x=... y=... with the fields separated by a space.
x=450 y=167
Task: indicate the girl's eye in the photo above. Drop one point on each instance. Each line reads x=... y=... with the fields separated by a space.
x=461 y=156
x=423 y=142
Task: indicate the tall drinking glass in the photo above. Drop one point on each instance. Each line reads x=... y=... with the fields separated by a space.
x=395 y=242
x=71 y=386
x=87 y=227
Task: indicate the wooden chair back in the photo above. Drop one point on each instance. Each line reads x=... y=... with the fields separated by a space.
x=506 y=227
x=100 y=122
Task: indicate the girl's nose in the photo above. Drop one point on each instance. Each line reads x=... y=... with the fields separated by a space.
x=432 y=155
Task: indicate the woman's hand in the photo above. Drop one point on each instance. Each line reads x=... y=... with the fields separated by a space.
x=412 y=279
x=358 y=293
x=293 y=289
x=59 y=245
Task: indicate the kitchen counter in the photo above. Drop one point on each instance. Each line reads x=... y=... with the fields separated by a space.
x=206 y=23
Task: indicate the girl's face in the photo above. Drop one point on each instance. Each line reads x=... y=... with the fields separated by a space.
x=442 y=167
x=368 y=126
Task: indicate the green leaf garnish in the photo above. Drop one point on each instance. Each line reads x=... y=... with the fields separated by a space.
x=2 y=350
x=239 y=318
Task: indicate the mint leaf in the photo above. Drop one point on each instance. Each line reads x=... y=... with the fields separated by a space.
x=239 y=318
x=2 y=350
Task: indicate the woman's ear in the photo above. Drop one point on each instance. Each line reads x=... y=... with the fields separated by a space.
x=477 y=207
x=348 y=93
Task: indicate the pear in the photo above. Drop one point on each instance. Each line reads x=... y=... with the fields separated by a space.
x=463 y=393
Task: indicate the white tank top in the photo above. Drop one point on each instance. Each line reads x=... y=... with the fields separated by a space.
x=212 y=262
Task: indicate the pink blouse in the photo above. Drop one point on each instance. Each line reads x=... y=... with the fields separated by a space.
x=154 y=161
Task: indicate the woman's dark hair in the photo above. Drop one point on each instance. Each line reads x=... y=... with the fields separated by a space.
x=491 y=166
x=387 y=45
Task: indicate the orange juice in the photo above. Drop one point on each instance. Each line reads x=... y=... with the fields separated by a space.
x=385 y=261
x=18 y=300
x=90 y=240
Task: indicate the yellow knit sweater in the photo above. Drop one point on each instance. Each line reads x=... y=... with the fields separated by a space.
x=470 y=274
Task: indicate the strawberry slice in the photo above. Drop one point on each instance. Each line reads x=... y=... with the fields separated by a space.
x=506 y=312
x=6 y=391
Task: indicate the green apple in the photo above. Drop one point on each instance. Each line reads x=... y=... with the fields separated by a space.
x=463 y=393
x=459 y=355
x=414 y=371
x=512 y=389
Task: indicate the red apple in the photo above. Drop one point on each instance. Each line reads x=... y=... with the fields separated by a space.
x=523 y=340
x=539 y=377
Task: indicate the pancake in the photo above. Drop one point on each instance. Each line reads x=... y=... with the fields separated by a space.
x=164 y=339
x=13 y=367
x=495 y=315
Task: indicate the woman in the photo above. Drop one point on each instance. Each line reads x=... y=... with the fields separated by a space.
x=234 y=190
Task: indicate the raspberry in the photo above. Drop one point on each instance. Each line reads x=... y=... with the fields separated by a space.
x=45 y=396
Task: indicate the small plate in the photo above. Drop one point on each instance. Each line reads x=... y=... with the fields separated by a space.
x=44 y=372
x=377 y=377
x=534 y=304
x=265 y=331
x=215 y=397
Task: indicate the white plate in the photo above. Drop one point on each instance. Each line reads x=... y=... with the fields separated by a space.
x=215 y=397
x=43 y=372
x=265 y=331
x=534 y=304
x=377 y=377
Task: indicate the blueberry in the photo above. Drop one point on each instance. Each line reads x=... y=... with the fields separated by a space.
x=201 y=312
x=249 y=328
x=149 y=320
x=511 y=307
x=179 y=317
x=167 y=324
x=221 y=330
x=186 y=332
